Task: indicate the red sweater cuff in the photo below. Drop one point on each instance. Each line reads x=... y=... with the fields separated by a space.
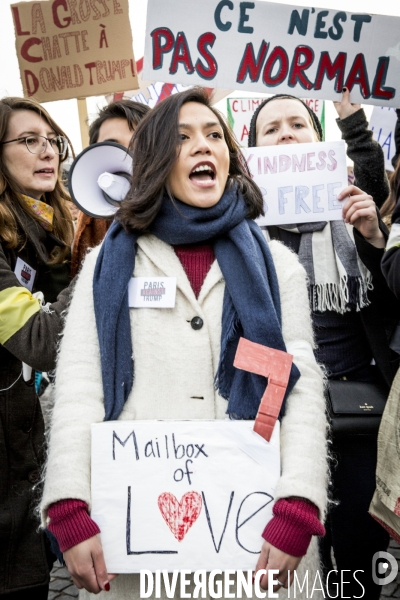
x=70 y=523
x=294 y=523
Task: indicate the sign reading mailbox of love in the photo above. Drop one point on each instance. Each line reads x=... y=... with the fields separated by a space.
x=299 y=182
x=182 y=494
x=274 y=48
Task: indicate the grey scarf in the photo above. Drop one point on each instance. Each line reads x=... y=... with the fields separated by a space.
x=337 y=279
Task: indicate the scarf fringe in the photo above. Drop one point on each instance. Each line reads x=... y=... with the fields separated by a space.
x=350 y=292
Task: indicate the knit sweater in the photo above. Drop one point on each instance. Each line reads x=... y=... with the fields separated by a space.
x=295 y=521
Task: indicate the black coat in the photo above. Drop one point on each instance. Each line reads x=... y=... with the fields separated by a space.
x=367 y=155
x=379 y=319
x=24 y=557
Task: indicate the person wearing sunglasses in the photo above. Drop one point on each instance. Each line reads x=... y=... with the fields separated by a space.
x=36 y=233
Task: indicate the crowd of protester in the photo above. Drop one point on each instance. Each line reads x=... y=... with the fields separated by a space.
x=326 y=292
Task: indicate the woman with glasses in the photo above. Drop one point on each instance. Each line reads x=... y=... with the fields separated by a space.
x=36 y=232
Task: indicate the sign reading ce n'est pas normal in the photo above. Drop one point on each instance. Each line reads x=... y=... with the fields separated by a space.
x=274 y=48
x=182 y=494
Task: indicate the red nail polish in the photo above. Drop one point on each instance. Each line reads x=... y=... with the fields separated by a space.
x=107 y=586
x=253 y=579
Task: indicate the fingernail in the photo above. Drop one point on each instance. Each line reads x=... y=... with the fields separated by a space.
x=253 y=579
x=344 y=89
x=106 y=586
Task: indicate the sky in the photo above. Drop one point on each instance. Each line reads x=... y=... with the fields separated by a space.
x=65 y=112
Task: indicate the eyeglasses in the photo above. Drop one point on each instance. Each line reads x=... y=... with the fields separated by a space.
x=37 y=144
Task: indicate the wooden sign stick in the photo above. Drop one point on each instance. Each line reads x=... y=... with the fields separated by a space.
x=83 y=121
x=271 y=363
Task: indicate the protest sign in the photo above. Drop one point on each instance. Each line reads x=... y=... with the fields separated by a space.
x=382 y=123
x=73 y=50
x=299 y=182
x=240 y=111
x=153 y=92
x=263 y=46
x=182 y=494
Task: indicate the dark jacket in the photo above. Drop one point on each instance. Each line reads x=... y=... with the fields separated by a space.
x=367 y=155
x=379 y=319
x=396 y=139
x=391 y=258
x=24 y=556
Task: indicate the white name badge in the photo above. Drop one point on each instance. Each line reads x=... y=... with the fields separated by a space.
x=25 y=274
x=152 y=292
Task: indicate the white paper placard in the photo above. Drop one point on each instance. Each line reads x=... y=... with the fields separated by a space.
x=274 y=48
x=182 y=494
x=299 y=182
x=25 y=274
x=382 y=123
x=152 y=292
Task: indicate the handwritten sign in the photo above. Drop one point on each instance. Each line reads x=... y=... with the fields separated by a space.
x=299 y=182
x=382 y=123
x=70 y=49
x=153 y=92
x=182 y=494
x=241 y=110
x=262 y=46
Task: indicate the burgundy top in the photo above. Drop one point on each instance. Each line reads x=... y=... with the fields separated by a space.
x=295 y=520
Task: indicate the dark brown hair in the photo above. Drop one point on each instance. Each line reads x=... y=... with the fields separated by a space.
x=132 y=112
x=387 y=207
x=63 y=227
x=155 y=150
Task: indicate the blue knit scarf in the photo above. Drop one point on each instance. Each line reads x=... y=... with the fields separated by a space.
x=251 y=306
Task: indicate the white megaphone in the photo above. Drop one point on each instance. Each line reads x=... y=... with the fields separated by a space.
x=99 y=178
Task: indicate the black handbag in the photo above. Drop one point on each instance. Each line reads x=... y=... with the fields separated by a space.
x=355 y=408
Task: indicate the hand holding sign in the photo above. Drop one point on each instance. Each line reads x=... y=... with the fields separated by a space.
x=345 y=108
x=85 y=562
x=272 y=559
x=360 y=211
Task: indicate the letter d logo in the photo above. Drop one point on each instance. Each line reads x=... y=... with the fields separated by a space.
x=384 y=568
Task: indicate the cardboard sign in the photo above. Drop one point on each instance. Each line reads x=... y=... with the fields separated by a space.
x=299 y=182
x=274 y=48
x=73 y=49
x=153 y=92
x=182 y=494
x=240 y=112
x=382 y=123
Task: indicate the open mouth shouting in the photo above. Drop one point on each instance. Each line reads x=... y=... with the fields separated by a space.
x=203 y=174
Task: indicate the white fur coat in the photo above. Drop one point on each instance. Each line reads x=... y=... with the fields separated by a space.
x=171 y=356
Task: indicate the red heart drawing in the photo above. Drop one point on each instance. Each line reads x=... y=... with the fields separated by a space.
x=180 y=516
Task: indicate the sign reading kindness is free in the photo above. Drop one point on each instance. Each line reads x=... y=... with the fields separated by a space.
x=299 y=182
x=182 y=494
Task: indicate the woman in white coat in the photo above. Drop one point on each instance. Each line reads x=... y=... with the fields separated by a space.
x=189 y=215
